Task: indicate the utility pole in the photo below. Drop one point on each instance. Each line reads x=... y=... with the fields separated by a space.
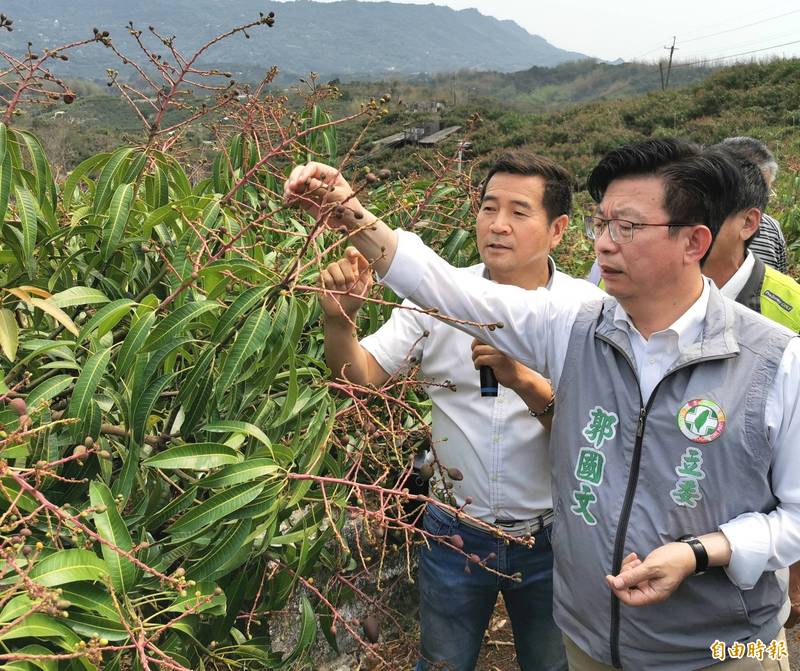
x=669 y=65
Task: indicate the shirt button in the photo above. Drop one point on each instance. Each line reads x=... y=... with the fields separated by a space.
x=651 y=361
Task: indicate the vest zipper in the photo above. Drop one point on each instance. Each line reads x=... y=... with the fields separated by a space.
x=630 y=490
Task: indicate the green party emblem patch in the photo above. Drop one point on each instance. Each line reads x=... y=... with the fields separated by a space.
x=701 y=420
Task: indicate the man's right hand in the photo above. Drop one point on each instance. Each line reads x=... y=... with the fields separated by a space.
x=318 y=188
x=352 y=275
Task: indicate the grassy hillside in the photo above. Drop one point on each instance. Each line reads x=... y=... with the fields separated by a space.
x=536 y=89
x=761 y=100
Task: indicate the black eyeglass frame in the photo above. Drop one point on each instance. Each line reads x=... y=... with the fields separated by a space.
x=589 y=227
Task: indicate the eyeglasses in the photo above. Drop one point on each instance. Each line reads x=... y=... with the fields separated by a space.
x=620 y=230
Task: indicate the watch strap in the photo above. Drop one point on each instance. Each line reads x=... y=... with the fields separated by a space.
x=700 y=554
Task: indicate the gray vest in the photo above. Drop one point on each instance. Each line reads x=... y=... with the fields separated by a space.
x=629 y=478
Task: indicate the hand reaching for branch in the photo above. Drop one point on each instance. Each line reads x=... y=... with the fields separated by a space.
x=322 y=191
x=352 y=275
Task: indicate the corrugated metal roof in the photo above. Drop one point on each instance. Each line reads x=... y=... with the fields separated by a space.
x=433 y=138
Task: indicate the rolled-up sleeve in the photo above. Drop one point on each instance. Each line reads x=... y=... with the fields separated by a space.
x=769 y=541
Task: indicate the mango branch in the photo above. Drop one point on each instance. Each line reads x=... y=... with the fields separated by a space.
x=64 y=517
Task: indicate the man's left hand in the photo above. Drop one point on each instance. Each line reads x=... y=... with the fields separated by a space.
x=640 y=583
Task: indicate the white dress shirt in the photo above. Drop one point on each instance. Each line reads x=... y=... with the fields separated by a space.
x=536 y=333
x=735 y=284
x=498 y=446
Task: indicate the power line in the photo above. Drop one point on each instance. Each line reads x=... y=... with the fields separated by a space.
x=705 y=61
x=722 y=32
x=748 y=25
x=741 y=44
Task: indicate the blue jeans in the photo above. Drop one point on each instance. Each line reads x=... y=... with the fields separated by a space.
x=455 y=606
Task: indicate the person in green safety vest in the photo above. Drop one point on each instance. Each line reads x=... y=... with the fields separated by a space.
x=739 y=274
x=743 y=277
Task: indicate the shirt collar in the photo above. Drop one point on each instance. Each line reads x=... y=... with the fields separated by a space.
x=687 y=327
x=733 y=287
x=551 y=269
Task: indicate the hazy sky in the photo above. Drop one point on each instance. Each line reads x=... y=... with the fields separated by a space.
x=638 y=29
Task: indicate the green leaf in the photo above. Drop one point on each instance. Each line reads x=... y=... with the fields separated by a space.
x=78 y=296
x=111 y=528
x=157 y=217
x=19 y=605
x=291 y=393
x=48 y=389
x=134 y=341
x=83 y=168
x=67 y=566
x=26 y=207
x=6 y=173
x=118 y=214
x=91 y=598
x=123 y=484
x=3 y=141
x=454 y=243
x=135 y=168
x=45 y=187
x=308 y=631
x=221 y=551
x=88 y=625
x=246 y=300
x=105 y=183
x=216 y=507
x=176 y=505
x=175 y=323
x=219 y=174
x=236 y=474
x=196 y=377
x=250 y=339
x=9 y=334
x=85 y=388
x=106 y=318
x=43 y=664
x=234 y=426
x=143 y=405
x=210 y=215
x=39 y=626
x=195 y=456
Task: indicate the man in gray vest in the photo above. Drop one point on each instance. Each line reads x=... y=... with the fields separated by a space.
x=676 y=437
x=501 y=451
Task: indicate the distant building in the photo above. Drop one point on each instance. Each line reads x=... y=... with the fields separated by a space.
x=426 y=135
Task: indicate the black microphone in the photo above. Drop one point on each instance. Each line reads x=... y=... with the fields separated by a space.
x=488 y=381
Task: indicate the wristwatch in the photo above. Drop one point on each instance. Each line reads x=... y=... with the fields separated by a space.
x=700 y=554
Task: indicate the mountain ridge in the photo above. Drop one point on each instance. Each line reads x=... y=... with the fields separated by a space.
x=344 y=39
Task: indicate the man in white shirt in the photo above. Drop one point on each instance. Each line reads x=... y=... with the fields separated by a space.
x=690 y=458
x=500 y=450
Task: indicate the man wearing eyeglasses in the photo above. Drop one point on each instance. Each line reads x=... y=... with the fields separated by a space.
x=768 y=244
x=676 y=438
